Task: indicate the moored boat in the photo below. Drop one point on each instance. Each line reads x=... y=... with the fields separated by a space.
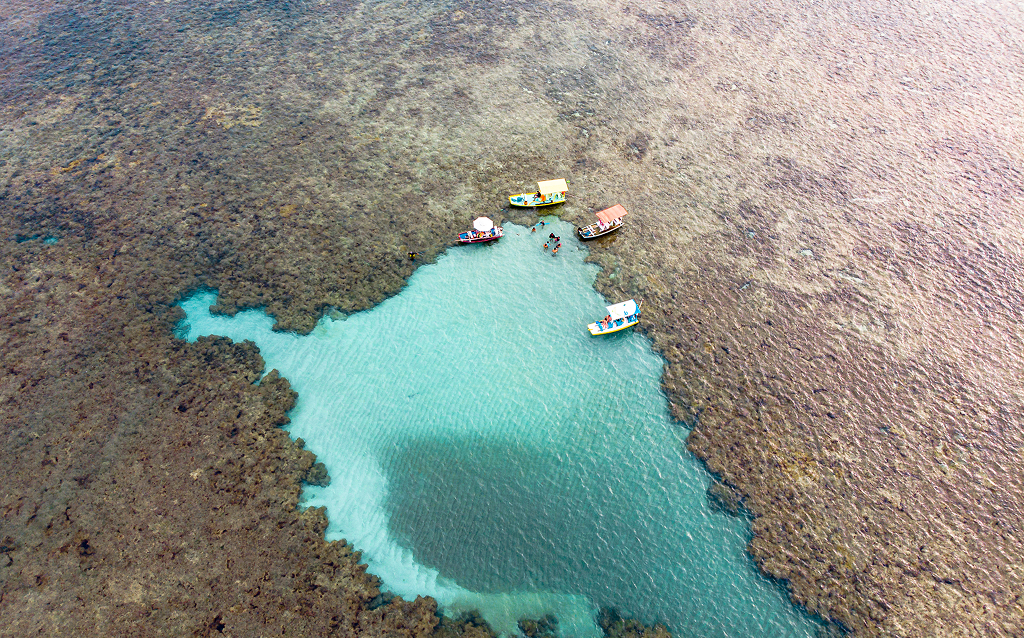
x=608 y=221
x=483 y=230
x=548 y=193
x=620 y=316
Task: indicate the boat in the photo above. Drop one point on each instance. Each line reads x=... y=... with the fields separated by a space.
x=483 y=230
x=608 y=221
x=547 y=194
x=620 y=316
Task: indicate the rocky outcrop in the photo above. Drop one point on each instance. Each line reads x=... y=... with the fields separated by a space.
x=615 y=626
x=724 y=498
x=546 y=627
x=467 y=625
x=317 y=475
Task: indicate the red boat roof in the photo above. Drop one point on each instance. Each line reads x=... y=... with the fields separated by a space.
x=609 y=215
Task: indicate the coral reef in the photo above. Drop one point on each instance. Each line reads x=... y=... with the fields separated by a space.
x=823 y=225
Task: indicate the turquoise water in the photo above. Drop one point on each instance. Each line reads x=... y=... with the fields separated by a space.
x=485 y=450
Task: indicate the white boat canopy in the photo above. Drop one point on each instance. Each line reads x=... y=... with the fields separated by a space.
x=622 y=310
x=483 y=224
x=552 y=186
x=609 y=215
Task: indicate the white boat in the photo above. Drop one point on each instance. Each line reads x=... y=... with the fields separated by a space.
x=609 y=220
x=620 y=316
x=483 y=230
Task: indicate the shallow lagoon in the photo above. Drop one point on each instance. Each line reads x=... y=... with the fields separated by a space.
x=485 y=450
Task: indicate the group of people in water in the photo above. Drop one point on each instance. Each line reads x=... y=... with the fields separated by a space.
x=554 y=242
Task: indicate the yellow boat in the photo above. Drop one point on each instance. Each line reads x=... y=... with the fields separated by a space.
x=620 y=316
x=547 y=194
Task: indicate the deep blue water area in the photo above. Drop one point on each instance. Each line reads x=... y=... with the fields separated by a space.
x=484 y=449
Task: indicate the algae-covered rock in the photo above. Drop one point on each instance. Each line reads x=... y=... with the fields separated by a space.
x=615 y=626
x=546 y=627
x=724 y=498
x=466 y=625
x=317 y=475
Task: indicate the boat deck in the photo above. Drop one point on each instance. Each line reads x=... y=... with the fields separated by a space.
x=597 y=328
x=594 y=231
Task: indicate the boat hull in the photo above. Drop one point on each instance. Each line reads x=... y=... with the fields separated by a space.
x=530 y=200
x=628 y=322
x=481 y=238
x=586 y=233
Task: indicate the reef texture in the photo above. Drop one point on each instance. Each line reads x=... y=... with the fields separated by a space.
x=824 y=225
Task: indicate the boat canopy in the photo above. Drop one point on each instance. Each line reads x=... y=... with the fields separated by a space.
x=609 y=215
x=483 y=224
x=552 y=186
x=622 y=310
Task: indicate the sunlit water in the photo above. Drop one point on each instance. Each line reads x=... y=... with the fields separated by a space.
x=485 y=450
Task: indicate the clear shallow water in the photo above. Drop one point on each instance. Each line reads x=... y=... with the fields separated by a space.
x=485 y=450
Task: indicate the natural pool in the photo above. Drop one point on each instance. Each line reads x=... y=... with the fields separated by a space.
x=485 y=450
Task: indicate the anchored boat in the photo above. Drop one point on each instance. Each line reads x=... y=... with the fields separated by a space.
x=609 y=220
x=620 y=316
x=483 y=230
x=548 y=193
